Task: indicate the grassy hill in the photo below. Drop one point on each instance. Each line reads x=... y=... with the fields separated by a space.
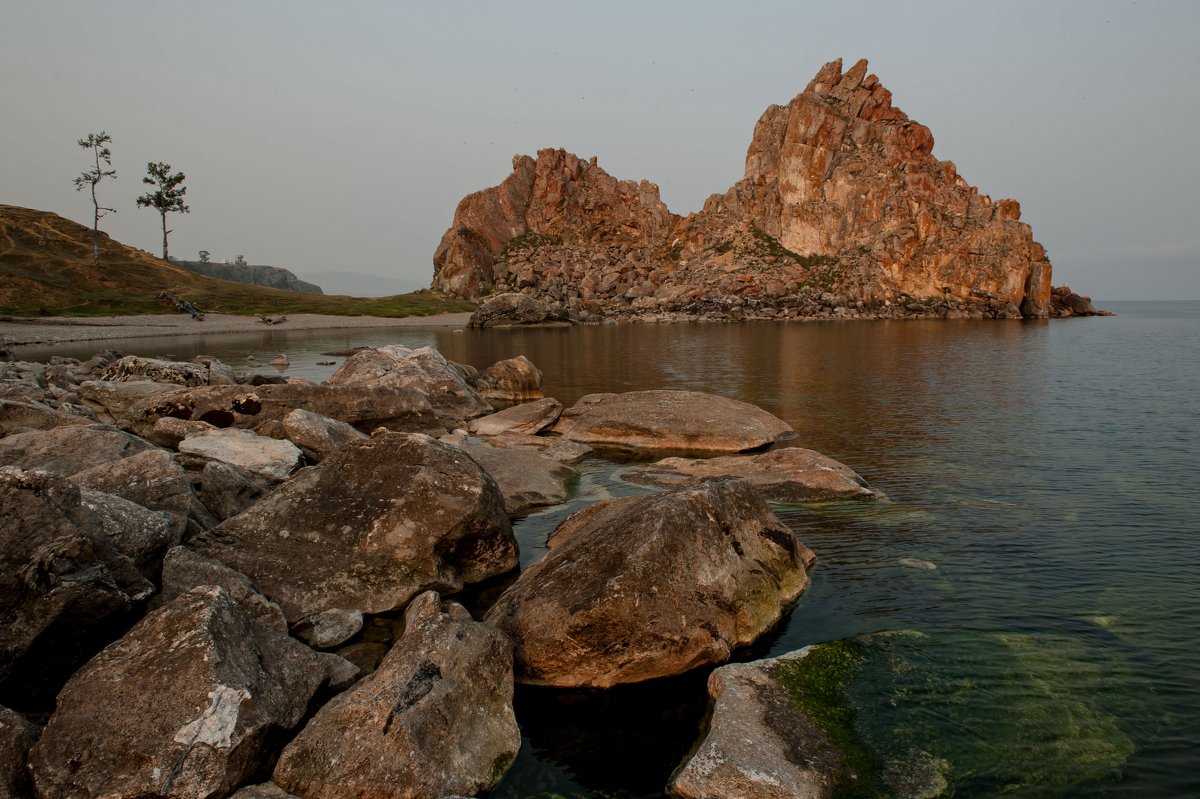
x=46 y=269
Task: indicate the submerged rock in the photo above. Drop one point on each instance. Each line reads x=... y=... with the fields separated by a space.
x=191 y=702
x=647 y=587
x=670 y=420
x=788 y=474
x=370 y=527
x=434 y=719
x=511 y=380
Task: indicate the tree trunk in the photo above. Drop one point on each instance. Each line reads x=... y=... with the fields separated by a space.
x=96 y=222
x=164 y=220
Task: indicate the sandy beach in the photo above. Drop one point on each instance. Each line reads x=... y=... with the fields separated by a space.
x=15 y=331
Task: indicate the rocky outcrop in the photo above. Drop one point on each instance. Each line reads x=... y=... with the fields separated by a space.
x=638 y=588
x=274 y=277
x=670 y=420
x=842 y=211
x=370 y=527
x=434 y=720
x=1064 y=302
x=788 y=474
x=514 y=309
x=190 y=702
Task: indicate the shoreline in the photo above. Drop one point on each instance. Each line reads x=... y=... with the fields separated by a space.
x=23 y=331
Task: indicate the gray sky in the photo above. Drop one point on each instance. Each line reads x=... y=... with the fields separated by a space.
x=324 y=137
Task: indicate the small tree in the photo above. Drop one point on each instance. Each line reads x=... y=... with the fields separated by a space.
x=240 y=260
x=169 y=196
x=98 y=144
x=204 y=256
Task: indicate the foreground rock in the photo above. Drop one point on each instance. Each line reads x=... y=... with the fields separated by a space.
x=789 y=474
x=67 y=450
x=526 y=478
x=245 y=450
x=424 y=370
x=17 y=735
x=653 y=586
x=361 y=406
x=518 y=310
x=318 y=436
x=184 y=570
x=64 y=585
x=529 y=418
x=435 y=719
x=152 y=479
x=26 y=417
x=370 y=527
x=189 y=703
x=670 y=420
x=760 y=743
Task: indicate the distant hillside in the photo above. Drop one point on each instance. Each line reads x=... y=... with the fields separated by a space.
x=46 y=269
x=358 y=284
x=274 y=277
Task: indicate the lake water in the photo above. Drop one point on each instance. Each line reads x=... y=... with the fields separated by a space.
x=1029 y=586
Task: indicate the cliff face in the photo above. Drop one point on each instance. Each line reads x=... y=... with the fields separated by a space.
x=842 y=206
x=274 y=277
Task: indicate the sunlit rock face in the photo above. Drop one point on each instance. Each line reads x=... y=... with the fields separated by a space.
x=841 y=196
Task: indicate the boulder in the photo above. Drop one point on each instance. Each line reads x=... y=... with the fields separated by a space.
x=370 y=527
x=226 y=490
x=670 y=420
x=191 y=702
x=17 y=736
x=267 y=790
x=434 y=719
x=112 y=401
x=423 y=370
x=760 y=743
x=184 y=569
x=362 y=406
x=152 y=479
x=328 y=628
x=64 y=585
x=137 y=533
x=511 y=380
x=169 y=431
x=245 y=450
x=519 y=310
x=67 y=450
x=528 y=418
x=788 y=474
x=25 y=417
x=318 y=435
x=648 y=587
x=133 y=368
x=553 y=447
x=526 y=478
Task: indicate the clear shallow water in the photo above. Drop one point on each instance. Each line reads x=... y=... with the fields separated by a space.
x=1039 y=544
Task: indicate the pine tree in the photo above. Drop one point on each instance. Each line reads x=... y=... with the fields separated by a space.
x=168 y=198
x=98 y=144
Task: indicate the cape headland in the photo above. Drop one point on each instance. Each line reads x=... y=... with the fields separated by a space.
x=843 y=211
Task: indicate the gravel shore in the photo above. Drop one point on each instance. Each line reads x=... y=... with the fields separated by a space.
x=53 y=330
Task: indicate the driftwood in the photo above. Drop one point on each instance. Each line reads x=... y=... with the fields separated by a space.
x=271 y=320
x=183 y=306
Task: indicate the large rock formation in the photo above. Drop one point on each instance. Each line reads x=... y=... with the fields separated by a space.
x=842 y=207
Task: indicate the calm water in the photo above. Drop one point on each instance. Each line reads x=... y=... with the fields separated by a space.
x=1036 y=561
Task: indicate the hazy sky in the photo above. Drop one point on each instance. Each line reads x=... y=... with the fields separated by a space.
x=322 y=136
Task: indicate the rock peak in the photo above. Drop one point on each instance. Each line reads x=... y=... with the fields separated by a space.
x=841 y=198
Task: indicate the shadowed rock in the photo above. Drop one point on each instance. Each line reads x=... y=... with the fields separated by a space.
x=434 y=719
x=62 y=581
x=17 y=735
x=316 y=435
x=25 y=417
x=670 y=420
x=191 y=702
x=644 y=587
x=370 y=527
x=789 y=474
x=184 y=569
x=152 y=479
x=226 y=490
